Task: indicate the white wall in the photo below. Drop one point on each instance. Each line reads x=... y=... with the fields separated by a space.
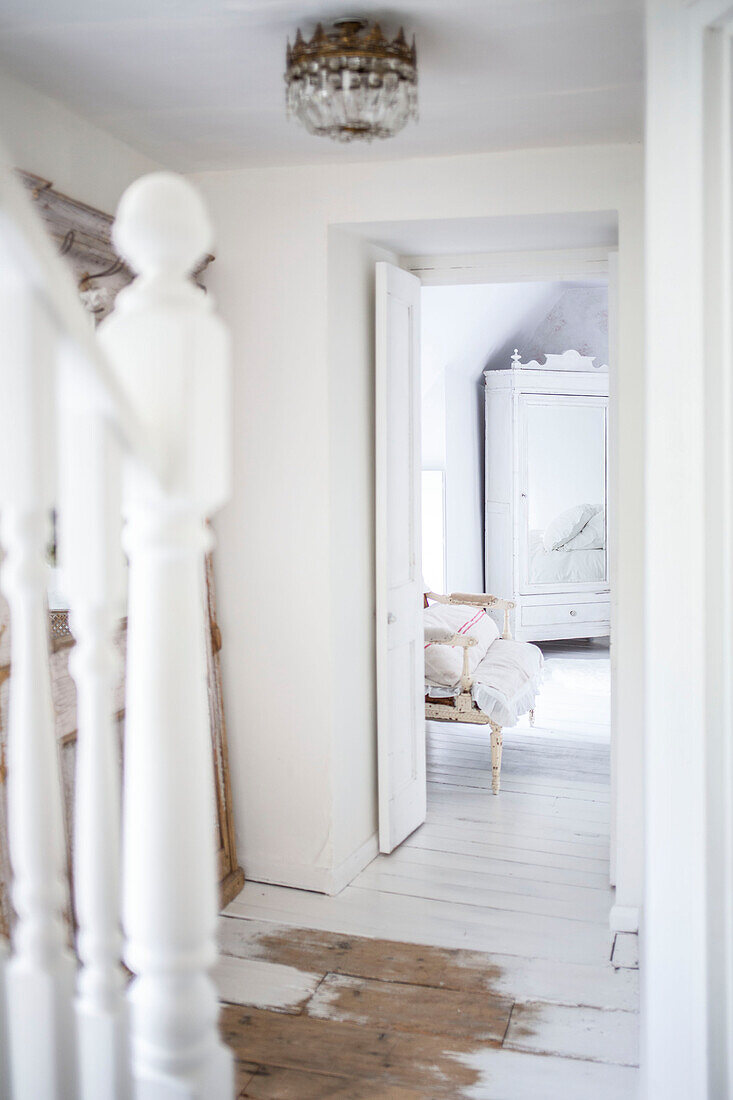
x=352 y=695
x=464 y=464
x=283 y=533
x=579 y=320
x=433 y=425
x=81 y=161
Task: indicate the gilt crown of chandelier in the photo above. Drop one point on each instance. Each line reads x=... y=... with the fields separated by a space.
x=350 y=82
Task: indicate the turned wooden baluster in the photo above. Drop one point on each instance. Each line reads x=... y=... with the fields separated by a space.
x=40 y=973
x=171 y=356
x=92 y=579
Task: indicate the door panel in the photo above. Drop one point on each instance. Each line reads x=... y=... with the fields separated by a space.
x=399 y=636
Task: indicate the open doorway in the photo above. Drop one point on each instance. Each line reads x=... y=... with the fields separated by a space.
x=515 y=504
x=514 y=380
x=514 y=481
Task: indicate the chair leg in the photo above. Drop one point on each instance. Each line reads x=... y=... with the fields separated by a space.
x=496 y=745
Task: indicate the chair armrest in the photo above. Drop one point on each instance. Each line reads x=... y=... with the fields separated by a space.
x=461 y=641
x=482 y=599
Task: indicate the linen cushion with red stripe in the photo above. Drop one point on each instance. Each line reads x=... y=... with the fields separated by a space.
x=443 y=663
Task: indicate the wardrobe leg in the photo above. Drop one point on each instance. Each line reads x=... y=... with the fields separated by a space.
x=496 y=745
x=531 y=717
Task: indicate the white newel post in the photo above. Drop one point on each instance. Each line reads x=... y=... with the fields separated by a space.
x=92 y=580
x=171 y=356
x=40 y=973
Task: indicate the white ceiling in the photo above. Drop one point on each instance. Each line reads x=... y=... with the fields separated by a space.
x=467 y=328
x=198 y=84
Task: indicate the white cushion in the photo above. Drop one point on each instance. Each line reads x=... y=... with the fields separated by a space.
x=507 y=681
x=591 y=537
x=443 y=663
x=567 y=525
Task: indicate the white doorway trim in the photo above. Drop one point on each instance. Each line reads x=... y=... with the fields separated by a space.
x=688 y=925
x=509 y=267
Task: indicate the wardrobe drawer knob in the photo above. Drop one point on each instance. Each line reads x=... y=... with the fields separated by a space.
x=573 y=612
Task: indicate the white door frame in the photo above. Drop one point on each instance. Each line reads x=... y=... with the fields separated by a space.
x=544 y=266
x=687 y=1048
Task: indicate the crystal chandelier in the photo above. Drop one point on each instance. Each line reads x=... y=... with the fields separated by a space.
x=350 y=83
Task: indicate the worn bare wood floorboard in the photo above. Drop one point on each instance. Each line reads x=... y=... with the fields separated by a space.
x=472 y=962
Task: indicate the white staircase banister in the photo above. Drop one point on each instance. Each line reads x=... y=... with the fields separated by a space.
x=40 y=972
x=90 y=553
x=141 y=410
x=171 y=356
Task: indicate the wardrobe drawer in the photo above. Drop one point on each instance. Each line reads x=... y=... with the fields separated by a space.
x=550 y=613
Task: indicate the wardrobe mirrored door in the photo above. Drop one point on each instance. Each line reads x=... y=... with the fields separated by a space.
x=562 y=492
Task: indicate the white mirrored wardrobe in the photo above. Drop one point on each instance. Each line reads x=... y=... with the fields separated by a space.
x=547 y=493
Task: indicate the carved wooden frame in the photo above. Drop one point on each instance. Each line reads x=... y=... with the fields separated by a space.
x=84 y=236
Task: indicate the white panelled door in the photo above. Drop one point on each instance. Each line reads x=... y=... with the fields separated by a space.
x=399 y=635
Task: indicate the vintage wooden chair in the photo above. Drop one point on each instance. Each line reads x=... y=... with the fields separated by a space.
x=461 y=707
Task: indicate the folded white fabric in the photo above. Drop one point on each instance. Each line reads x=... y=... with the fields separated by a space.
x=507 y=680
x=590 y=537
x=567 y=525
x=443 y=663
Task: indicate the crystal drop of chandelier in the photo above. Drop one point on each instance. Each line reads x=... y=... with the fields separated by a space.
x=350 y=83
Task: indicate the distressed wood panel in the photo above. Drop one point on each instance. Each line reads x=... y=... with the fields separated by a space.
x=420 y=1010
x=369 y=1054
x=325 y=952
x=512 y=976
x=278 y=1083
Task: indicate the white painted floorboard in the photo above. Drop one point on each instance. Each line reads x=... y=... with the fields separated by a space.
x=596 y=1034
x=512 y=1075
x=522 y=877
x=262 y=984
x=525 y=980
x=361 y=911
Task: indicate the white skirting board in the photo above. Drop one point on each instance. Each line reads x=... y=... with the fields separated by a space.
x=322 y=880
x=354 y=864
